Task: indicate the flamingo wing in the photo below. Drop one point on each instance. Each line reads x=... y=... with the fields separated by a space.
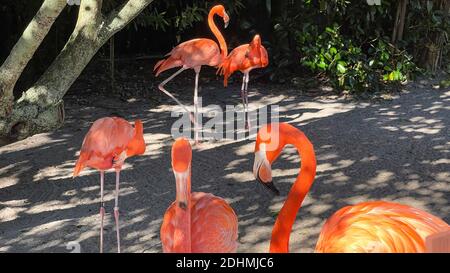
x=106 y=138
x=236 y=60
x=192 y=53
x=214 y=224
x=378 y=226
x=168 y=228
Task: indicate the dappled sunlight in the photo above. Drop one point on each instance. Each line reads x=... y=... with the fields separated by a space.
x=395 y=150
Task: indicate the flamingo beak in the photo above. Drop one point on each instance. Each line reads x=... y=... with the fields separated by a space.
x=183 y=189
x=182 y=205
x=269 y=185
x=226 y=19
x=261 y=162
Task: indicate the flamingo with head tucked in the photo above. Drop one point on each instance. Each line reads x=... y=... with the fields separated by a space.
x=245 y=58
x=375 y=226
x=194 y=54
x=107 y=144
x=196 y=222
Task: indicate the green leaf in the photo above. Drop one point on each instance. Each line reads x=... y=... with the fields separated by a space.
x=337 y=57
x=322 y=65
x=341 y=68
x=333 y=50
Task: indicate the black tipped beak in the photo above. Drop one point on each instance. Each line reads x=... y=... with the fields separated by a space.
x=182 y=205
x=226 y=19
x=270 y=186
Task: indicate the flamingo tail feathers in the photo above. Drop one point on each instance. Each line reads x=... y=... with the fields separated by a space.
x=81 y=163
x=166 y=64
x=225 y=70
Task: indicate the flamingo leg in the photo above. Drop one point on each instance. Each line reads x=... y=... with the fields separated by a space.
x=246 y=79
x=161 y=87
x=243 y=101
x=102 y=209
x=116 y=210
x=196 y=127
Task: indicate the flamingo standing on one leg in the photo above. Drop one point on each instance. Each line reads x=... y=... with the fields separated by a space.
x=193 y=54
x=197 y=222
x=108 y=143
x=375 y=226
x=245 y=58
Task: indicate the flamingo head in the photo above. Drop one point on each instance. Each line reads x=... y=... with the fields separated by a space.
x=268 y=147
x=256 y=42
x=220 y=10
x=181 y=165
x=257 y=53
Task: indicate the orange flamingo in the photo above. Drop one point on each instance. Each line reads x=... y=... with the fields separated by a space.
x=245 y=58
x=197 y=222
x=107 y=144
x=193 y=54
x=375 y=226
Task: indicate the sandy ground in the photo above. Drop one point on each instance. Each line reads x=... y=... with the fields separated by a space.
x=394 y=150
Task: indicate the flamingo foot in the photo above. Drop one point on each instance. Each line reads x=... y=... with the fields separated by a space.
x=116 y=217
x=102 y=215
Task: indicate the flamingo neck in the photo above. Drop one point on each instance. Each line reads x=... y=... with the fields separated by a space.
x=182 y=232
x=217 y=33
x=286 y=218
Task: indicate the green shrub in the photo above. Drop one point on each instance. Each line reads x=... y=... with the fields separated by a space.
x=348 y=65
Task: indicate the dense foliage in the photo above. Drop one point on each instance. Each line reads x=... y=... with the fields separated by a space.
x=348 y=41
x=352 y=42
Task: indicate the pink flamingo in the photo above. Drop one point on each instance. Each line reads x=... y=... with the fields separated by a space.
x=193 y=54
x=107 y=144
x=197 y=222
x=245 y=58
x=374 y=226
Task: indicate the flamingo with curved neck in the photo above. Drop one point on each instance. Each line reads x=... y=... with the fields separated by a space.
x=196 y=222
x=270 y=141
x=373 y=226
x=194 y=54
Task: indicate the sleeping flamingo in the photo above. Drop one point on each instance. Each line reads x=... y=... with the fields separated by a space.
x=107 y=144
x=375 y=226
x=193 y=54
x=197 y=222
x=245 y=58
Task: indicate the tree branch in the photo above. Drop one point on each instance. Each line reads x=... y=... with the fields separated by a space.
x=24 y=50
x=116 y=20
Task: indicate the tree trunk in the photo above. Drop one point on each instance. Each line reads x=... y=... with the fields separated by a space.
x=24 y=49
x=41 y=109
x=399 y=24
x=437 y=41
x=111 y=64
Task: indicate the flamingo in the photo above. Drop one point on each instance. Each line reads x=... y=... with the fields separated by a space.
x=245 y=58
x=107 y=144
x=194 y=54
x=198 y=222
x=374 y=226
